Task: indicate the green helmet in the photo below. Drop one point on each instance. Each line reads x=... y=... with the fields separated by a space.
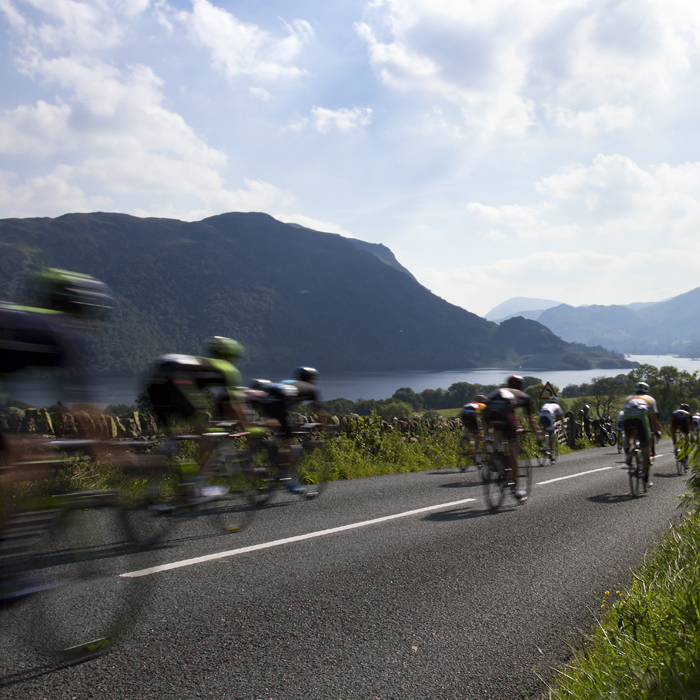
x=224 y=348
x=72 y=293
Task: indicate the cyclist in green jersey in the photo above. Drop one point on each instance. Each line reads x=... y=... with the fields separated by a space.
x=641 y=417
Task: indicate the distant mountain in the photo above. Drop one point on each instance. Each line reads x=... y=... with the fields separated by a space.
x=291 y=295
x=527 y=307
x=666 y=327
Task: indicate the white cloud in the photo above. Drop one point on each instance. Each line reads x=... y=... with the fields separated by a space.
x=344 y=120
x=242 y=48
x=261 y=93
x=630 y=276
x=592 y=122
x=590 y=66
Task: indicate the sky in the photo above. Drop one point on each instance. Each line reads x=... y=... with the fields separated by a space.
x=500 y=148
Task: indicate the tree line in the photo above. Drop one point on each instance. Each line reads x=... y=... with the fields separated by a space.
x=605 y=395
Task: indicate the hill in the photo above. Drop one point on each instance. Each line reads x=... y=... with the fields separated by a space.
x=291 y=295
x=667 y=327
x=527 y=307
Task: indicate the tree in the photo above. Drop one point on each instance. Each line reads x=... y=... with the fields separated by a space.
x=407 y=395
x=607 y=394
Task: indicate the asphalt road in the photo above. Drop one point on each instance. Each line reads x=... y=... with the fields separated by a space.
x=403 y=586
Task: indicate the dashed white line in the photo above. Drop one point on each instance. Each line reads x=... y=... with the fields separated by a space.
x=288 y=540
x=573 y=476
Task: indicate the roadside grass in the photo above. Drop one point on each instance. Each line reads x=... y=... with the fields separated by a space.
x=647 y=645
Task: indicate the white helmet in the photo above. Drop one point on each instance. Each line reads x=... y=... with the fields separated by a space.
x=641 y=388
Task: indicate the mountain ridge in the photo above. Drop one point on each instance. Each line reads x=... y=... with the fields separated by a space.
x=290 y=294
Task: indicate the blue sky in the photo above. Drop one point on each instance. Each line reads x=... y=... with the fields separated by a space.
x=543 y=148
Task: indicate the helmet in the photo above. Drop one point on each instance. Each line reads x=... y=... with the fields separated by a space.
x=72 y=293
x=515 y=382
x=685 y=407
x=480 y=399
x=224 y=348
x=587 y=407
x=306 y=374
x=553 y=399
x=641 y=388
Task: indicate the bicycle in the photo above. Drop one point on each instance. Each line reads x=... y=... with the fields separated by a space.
x=498 y=477
x=548 y=449
x=262 y=467
x=167 y=491
x=681 y=455
x=635 y=471
x=61 y=553
x=469 y=455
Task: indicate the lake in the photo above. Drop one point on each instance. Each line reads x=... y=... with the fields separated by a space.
x=351 y=386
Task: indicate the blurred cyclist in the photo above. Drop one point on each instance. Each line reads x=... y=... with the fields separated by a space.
x=277 y=401
x=550 y=413
x=500 y=412
x=641 y=417
x=177 y=383
x=176 y=389
x=472 y=425
x=52 y=334
x=681 y=421
x=696 y=422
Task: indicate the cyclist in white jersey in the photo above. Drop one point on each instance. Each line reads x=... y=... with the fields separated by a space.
x=550 y=413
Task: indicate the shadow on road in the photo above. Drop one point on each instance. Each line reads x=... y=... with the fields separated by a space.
x=609 y=498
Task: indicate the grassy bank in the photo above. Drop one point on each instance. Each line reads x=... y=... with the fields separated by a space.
x=647 y=646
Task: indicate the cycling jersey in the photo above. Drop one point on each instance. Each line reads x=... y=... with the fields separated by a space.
x=681 y=420
x=501 y=406
x=276 y=401
x=620 y=418
x=637 y=408
x=470 y=414
x=177 y=382
x=549 y=414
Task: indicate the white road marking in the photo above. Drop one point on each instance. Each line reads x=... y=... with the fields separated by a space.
x=288 y=540
x=573 y=476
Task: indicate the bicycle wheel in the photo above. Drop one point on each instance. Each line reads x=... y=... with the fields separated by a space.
x=226 y=468
x=314 y=470
x=149 y=505
x=85 y=606
x=636 y=474
x=525 y=468
x=495 y=482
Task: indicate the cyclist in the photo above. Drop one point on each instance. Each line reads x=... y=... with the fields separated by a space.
x=696 y=422
x=681 y=421
x=585 y=418
x=500 y=410
x=641 y=417
x=53 y=333
x=276 y=402
x=472 y=425
x=620 y=418
x=176 y=387
x=550 y=413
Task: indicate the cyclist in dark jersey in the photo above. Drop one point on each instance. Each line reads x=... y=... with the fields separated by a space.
x=277 y=401
x=177 y=383
x=681 y=421
x=500 y=411
x=53 y=332
x=471 y=422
